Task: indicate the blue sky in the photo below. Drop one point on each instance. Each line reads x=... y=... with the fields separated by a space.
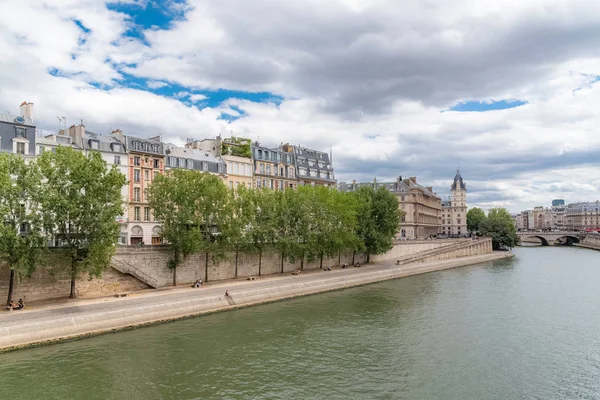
x=483 y=106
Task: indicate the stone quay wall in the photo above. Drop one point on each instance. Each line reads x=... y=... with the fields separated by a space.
x=136 y=268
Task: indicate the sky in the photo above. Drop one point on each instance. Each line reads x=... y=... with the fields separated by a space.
x=508 y=90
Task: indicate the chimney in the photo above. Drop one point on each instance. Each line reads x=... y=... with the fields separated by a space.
x=413 y=179
x=430 y=188
x=27 y=110
x=76 y=133
x=399 y=179
x=118 y=134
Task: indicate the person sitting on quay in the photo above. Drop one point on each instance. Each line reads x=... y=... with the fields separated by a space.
x=12 y=306
x=198 y=283
x=296 y=271
x=21 y=304
x=227 y=293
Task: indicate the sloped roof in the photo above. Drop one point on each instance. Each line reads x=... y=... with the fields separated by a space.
x=11 y=119
x=458 y=183
x=183 y=152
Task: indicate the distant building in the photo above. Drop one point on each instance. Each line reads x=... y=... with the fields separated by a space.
x=584 y=216
x=558 y=202
x=453 y=219
x=313 y=167
x=17 y=133
x=422 y=207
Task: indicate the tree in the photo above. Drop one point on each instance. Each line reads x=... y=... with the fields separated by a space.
x=333 y=222
x=263 y=227
x=21 y=234
x=474 y=217
x=499 y=226
x=193 y=208
x=237 y=232
x=80 y=205
x=378 y=220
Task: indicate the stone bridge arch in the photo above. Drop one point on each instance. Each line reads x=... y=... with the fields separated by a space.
x=542 y=239
x=567 y=239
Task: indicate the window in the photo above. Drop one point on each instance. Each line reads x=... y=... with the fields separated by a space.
x=236 y=168
x=248 y=170
x=221 y=167
x=190 y=164
x=20 y=148
x=136 y=161
x=155 y=174
x=156 y=163
x=268 y=169
x=204 y=166
x=146 y=194
x=116 y=147
x=136 y=194
x=258 y=183
x=136 y=145
x=117 y=160
x=41 y=149
x=146 y=213
x=281 y=187
x=20 y=132
x=145 y=146
x=136 y=213
x=94 y=144
x=146 y=175
x=136 y=175
x=262 y=168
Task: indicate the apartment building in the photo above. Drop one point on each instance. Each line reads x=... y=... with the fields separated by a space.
x=422 y=207
x=583 y=216
x=273 y=168
x=146 y=161
x=18 y=133
x=313 y=167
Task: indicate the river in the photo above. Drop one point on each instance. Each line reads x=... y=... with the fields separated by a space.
x=526 y=328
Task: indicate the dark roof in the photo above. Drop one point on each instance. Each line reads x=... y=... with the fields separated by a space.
x=458 y=182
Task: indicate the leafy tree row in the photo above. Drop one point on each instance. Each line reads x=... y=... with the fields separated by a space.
x=200 y=215
x=497 y=224
x=63 y=196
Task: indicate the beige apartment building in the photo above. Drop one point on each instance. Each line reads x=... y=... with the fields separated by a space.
x=422 y=207
x=583 y=216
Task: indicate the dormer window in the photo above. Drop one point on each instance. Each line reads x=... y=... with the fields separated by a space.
x=145 y=146
x=20 y=132
x=94 y=144
x=136 y=145
x=116 y=147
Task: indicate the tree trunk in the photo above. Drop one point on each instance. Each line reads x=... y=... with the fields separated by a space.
x=282 y=256
x=11 y=283
x=321 y=261
x=368 y=257
x=259 y=261
x=73 y=294
x=237 y=252
x=339 y=257
x=175 y=276
x=353 y=254
x=206 y=268
x=302 y=262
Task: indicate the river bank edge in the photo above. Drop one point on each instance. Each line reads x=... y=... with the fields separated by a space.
x=33 y=333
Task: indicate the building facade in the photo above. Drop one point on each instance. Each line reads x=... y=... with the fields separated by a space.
x=146 y=161
x=313 y=167
x=17 y=133
x=273 y=168
x=584 y=216
x=422 y=207
x=453 y=219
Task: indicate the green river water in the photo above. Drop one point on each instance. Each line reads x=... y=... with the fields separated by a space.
x=526 y=328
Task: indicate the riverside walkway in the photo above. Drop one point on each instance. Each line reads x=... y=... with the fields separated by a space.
x=81 y=318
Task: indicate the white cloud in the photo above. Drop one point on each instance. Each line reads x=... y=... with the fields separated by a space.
x=366 y=78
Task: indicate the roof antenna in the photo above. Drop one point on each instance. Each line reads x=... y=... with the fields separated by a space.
x=458 y=167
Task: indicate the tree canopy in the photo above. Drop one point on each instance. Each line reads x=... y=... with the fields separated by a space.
x=499 y=226
x=21 y=230
x=378 y=220
x=81 y=201
x=194 y=209
x=475 y=216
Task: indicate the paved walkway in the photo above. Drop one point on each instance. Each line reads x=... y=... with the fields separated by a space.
x=81 y=317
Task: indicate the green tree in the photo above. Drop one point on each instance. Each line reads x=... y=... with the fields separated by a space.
x=379 y=218
x=474 y=217
x=263 y=227
x=237 y=233
x=499 y=226
x=21 y=231
x=194 y=208
x=333 y=222
x=81 y=201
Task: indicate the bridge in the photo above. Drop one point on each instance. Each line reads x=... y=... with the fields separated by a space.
x=552 y=238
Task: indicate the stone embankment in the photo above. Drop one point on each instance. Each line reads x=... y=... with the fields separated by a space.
x=136 y=268
x=89 y=317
